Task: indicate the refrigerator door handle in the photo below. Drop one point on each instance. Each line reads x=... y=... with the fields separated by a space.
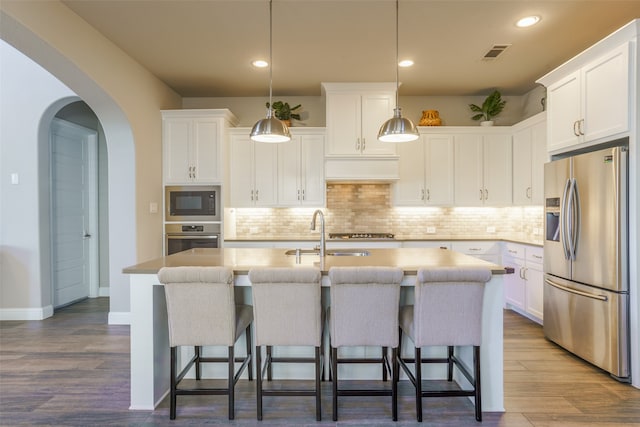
x=575 y=291
x=574 y=218
x=564 y=225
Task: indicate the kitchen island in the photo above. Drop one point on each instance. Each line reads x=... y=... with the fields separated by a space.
x=149 y=335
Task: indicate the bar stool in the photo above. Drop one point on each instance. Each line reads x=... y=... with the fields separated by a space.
x=364 y=312
x=447 y=312
x=288 y=312
x=201 y=310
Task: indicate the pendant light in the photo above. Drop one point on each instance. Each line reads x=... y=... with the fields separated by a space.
x=270 y=129
x=397 y=128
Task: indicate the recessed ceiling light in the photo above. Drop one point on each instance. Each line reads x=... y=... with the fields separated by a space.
x=260 y=63
x=528 y=21
x=405 y=63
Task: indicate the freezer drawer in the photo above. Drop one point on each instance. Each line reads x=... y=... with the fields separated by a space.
x=589 y=322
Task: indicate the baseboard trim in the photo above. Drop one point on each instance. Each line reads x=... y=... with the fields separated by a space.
x=119 y=318
x=40 y=313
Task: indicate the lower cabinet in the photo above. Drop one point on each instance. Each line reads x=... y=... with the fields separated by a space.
x=523 y=290
x=485 y=250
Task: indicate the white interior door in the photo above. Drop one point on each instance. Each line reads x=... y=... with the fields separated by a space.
x=74 y=245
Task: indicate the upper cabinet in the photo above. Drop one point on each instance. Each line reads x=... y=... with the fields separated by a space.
x=253 y=171
x=426 y=171
x=355 y=112
x=276 y=175
x=301 y=169
x=589 y=96
x=482 y=168
x=192 y=141
x=529 y=157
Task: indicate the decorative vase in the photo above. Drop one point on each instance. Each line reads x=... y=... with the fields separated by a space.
x=430 y=118
x=486 y=123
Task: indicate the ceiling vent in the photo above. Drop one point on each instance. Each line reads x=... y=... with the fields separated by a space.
x=495 y=51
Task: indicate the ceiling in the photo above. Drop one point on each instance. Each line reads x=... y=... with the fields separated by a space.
x=204 y=48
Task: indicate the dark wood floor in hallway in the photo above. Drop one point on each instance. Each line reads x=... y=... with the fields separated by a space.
x=73 y=370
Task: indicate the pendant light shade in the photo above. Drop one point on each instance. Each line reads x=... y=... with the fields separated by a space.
x=270 y=129
x=397 y=128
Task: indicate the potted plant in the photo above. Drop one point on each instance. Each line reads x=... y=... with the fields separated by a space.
x=491 y=107
x=283 y=111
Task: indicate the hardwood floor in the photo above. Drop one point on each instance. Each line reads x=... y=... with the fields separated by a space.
x=73 y=370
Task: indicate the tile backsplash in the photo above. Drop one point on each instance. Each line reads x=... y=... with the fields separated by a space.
x=359 y=208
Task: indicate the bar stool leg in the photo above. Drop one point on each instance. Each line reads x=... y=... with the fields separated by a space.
x=318 y=386
x=478 y=388
x=334 y=370
x=394 y=384
x=249 y=346
x=385 y=352
x=450 y=364
x=259 y=382
x=198 y=349
x=418 y=365
x=231 y=383
x=269 y=370
x=172 y=405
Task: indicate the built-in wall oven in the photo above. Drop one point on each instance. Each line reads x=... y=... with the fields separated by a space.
x=192 y=203
x=181 y=237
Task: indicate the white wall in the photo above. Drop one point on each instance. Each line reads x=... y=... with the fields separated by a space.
x=24 y=287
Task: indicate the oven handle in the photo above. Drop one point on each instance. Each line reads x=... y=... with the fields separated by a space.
x=575 y=291
x=192 y=236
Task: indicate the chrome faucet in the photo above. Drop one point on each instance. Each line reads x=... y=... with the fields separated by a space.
x=313 y=227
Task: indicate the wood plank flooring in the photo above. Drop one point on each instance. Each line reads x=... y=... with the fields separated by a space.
x=73 y=370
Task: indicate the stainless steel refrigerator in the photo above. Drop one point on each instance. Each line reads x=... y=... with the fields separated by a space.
x=586 y=290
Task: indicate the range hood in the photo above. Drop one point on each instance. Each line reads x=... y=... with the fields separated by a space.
x=345 y=169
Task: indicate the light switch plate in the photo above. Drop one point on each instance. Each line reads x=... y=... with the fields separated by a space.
x=15 y=179
x=431 y=230
x=491 y=229
x=153 y=207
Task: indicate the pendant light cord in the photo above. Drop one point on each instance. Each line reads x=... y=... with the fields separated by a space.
x=397 y=58
x=270 y=58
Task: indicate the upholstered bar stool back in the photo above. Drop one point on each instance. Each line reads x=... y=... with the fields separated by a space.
x=364 y=312
x=447 y=312
x=287 y=309
x=201 y=311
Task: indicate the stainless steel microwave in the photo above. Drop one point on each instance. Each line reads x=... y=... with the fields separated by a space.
x=192 y=203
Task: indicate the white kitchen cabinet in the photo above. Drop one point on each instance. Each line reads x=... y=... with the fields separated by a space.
x=523 y=290
x=253 y=168
x=440 y=244
x=426 y=172
x=355 y=112
x=482 y=171
x=301 y=170
x=484 y=249
x=529 y=157
x=192 y=143
x=591 y=103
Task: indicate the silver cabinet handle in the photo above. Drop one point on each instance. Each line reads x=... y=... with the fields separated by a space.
x=575 y=291
x=580 y=126
x=298 y=194
x=364 y=143
x=481 y=194
x=252 y=195
x=528 y=193
x=486 y=194
x=303 y=195
x=257 y=195
x=422 y=194
x=357 y=144
x=575 y=128
x=537 y=256
x=428 y=194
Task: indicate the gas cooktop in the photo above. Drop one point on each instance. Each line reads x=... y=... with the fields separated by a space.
x=347 y=236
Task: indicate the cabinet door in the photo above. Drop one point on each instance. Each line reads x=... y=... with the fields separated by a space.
x=497 y=168
x=439 y=170
x=514 y=284
x=468 y=170
x=289 y=170
x=538 y=158
x=176 y=134
x=563 y=112
x=606 y=95
x=376 y=109
x=265 y=160
x=410 y=190
x=241 y=171
x=205 y=152
x=534 y=290
x=522 y=163
x=343 y=123
x=312 y=170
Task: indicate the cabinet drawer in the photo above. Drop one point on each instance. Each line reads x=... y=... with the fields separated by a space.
x=476 y=247
x=534 y=254
x=514 y=250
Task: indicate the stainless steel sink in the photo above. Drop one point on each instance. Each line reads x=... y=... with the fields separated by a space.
x=330 y=252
